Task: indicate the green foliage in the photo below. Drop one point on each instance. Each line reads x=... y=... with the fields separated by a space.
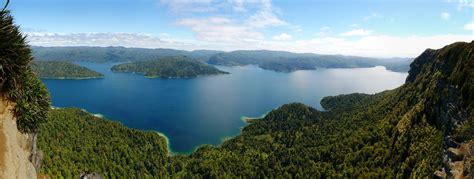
x=394 y=134
x=288 y=62
x=397 y=133
x=114 y=54
x=270 y=60
x=62 y=70
x=76 y=142
x=168 y=67
x=20 y=85
x=290 y=66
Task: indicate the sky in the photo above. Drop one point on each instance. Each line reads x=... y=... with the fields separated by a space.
x=372 y=28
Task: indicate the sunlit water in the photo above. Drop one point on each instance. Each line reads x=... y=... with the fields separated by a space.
x=205 y=110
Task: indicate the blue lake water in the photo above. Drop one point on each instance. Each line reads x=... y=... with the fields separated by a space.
x=205 y=110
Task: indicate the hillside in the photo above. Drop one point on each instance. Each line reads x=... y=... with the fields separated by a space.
x=62 y=70
x=405 y=132
x=76 y=142
x=270 y=60
x=113 y=54
x=168 y=67
x=287 y=62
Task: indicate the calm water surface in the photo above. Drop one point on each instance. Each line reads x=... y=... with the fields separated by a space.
x=204 y=110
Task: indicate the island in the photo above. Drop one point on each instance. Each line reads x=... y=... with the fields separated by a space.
x=402 y=132
x=63 y=70
x=168 y=67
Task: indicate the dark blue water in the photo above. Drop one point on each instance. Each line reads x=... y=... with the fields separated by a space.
x=205 y=110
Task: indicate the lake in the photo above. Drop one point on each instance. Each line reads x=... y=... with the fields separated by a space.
x=205 y=110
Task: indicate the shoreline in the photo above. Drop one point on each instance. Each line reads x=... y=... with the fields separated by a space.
x=170 y=77
x=167 y=140
x=99 y=115
x=71 y=78
x=249 y=120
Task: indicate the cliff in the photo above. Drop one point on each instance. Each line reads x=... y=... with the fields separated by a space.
x=24 y=103
x=15 y=147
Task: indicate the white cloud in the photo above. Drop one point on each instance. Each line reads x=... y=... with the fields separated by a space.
x=228 y=29
x=357 y=32
x=105 y=39
x=469 y=26
x=265 y=16
x=282 y=37
x=371 y=46
x=445 y=15
x=463 y=3
x=216 y=29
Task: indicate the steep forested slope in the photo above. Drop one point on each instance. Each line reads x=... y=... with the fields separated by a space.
x=75 y=142
x=62 y=70
x=168 y=67
x=405 y=132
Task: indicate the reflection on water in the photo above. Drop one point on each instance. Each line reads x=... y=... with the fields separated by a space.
x=204 y=110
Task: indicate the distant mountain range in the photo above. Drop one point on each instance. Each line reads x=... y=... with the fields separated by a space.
x=114 y=54
x=271 y=60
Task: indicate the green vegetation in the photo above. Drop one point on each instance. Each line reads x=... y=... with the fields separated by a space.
x=17 y=82
x=398 y=133
x=62 y=70
x=76 y=142
x=287 y=66
x=270 y=60
x=168 y=67
x=288 y=62
x=114 y=54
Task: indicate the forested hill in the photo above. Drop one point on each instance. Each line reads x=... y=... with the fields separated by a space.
x=271 y=60
x=288 y=62
x=168 y=67
x=62 y=70
x=113 y=54
x=406 y=132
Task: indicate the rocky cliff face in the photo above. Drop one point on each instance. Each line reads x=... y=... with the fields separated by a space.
x=15 y=147
x=444 y=81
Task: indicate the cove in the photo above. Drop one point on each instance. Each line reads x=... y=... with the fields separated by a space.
x=205 y=110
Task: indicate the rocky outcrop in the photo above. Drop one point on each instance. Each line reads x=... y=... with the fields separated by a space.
x=444 y=79
x=15 y=147
x=458 y=162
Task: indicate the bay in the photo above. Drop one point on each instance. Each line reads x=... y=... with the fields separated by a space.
x=207 y=109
